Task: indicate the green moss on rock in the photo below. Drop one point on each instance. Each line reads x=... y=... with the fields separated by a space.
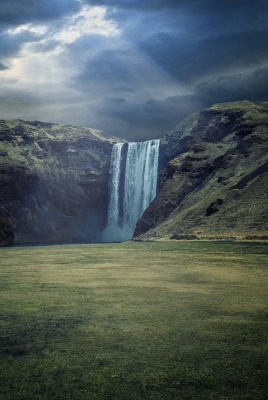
x=54 y=180
x=220 y=153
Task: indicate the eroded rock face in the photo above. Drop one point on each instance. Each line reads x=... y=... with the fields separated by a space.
x=6 y=229
x=215 y=180
x=54 y=182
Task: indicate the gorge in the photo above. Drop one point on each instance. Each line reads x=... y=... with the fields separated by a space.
x=205 y=179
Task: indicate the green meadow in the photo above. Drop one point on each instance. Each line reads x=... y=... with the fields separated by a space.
x=155 y=320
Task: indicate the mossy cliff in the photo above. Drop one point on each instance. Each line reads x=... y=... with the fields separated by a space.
x=214 y=176
x=54 y=182
x=213 y=181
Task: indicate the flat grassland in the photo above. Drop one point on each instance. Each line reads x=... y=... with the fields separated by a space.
x=156 y=320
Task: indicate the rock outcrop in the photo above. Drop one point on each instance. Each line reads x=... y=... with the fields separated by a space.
x=54 y=182
x=214 y=183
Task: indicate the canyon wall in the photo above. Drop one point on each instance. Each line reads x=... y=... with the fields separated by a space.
x=212 y=183
x=54 y=183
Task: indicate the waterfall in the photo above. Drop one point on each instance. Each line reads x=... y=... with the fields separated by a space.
x=115 y=164
x=133 y=184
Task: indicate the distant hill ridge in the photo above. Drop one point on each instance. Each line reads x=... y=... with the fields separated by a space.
x=213 y=179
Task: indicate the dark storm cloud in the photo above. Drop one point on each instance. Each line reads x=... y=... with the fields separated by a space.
x=251 y=85
x=188 y=60
x=139 y=4
x=10 y=44
x=216 y=51
x=222 y=9
x=142 y=120
x=198 y=37
x=13 y=101
x=190 y=5
x=17 y=12
x=170 y=58
x=108 y=70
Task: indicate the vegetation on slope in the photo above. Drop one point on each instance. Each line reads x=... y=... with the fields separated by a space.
x=54 y=182
x=215 y=183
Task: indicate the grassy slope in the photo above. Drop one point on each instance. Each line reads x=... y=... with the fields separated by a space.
x=173 y=320
x=239 y=180
x=23 y=140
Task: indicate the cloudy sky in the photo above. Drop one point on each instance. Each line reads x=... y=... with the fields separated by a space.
x=133 y=68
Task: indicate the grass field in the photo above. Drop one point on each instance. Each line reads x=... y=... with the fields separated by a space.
x=159 y=320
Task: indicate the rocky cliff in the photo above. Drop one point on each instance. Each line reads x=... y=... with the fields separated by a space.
x=214 y=180
x=53 y=182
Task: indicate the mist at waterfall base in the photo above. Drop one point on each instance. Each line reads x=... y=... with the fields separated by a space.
x=133 y=185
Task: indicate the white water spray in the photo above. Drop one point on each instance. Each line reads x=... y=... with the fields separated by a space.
x=133 y=187
x=114 y=205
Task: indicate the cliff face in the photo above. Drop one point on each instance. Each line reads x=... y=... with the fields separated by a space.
x=54 y=182
x=215 y=181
